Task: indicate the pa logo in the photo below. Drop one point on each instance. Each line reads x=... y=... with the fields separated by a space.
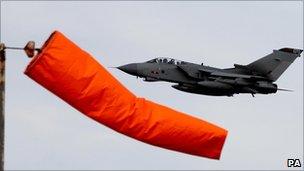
x=293 y=163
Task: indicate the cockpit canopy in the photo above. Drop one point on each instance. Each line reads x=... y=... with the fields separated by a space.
x=166 y=60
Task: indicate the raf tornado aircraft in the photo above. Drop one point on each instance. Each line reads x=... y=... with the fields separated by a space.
x=257 y=77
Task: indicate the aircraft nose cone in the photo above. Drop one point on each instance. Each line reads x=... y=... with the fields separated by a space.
x=129 y=68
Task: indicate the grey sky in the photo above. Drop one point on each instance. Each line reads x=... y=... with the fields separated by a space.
x=43 y=132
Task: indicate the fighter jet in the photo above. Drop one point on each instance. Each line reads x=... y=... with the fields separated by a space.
x=257 y=77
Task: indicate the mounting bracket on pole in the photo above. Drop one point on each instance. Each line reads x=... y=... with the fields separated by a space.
x=29 y=48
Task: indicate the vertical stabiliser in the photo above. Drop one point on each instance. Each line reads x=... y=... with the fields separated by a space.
x=273 y=65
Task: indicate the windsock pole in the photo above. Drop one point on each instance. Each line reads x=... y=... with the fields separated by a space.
x=2 y=99
x=30 y=51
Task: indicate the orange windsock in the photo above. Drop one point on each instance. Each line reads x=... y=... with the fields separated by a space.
x=76 y=77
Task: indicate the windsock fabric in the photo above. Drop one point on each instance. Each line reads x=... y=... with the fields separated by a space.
x=76 y=77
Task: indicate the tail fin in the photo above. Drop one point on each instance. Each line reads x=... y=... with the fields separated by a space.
x=273 y=65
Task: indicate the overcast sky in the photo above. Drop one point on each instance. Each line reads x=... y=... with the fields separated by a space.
x=44 y=132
